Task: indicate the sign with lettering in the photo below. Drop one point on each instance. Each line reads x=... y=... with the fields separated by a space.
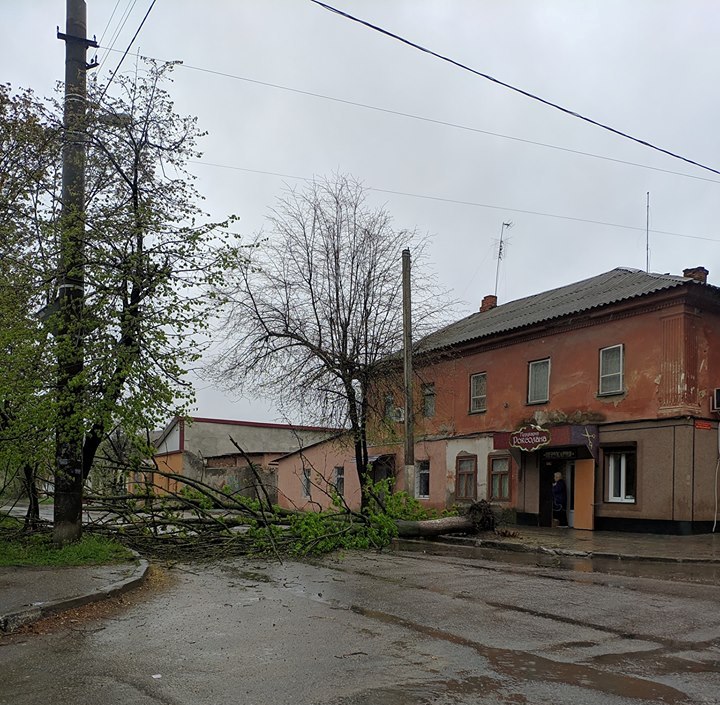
x=530 y=438
x=561 y=454
x=703 y=425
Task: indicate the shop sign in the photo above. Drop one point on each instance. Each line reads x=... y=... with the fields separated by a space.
x=703 y=425
x=563 y=454
x=530 y=438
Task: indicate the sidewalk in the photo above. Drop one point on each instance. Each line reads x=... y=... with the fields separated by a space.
x=697 y=548
x=28 y=594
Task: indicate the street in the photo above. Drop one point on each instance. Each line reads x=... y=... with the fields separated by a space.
x=389 y=629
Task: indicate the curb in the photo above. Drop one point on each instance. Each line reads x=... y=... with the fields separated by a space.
x=12 y=621
x=570 y=553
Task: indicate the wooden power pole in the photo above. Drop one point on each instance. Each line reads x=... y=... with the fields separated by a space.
x=71 y=283
x=407 y=357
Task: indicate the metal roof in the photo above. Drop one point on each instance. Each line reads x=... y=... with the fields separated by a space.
x=611 y=287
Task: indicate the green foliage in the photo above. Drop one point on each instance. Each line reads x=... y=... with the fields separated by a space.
x=150 y=253
x=316 y=533
x=200 y=499
x=397 y=505
x=38 y=550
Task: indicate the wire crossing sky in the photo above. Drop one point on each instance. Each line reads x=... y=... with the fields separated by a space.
x=512 y=88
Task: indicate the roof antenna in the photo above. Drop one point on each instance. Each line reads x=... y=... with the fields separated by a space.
x=647 y=234
x=501 y=252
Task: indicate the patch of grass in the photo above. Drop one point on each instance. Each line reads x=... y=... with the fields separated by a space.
x=38 y=550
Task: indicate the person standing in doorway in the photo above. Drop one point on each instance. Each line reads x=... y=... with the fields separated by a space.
x=559 y=494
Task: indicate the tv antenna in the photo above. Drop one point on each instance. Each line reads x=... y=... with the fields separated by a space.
x=501 y=252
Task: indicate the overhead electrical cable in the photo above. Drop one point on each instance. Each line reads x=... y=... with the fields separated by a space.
x=107 y=26
x=122 y=21
x=125 y=53
x=435 y=121
x=473 y=204
x=509 y=86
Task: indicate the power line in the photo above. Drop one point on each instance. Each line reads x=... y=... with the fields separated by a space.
x=107 y=26
x=473 y=204
x=527 y=94
x=125 y=53
x=435 y=121
x=122 y=21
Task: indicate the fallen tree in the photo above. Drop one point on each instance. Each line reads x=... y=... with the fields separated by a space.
x=199 y=521
x=477 y=517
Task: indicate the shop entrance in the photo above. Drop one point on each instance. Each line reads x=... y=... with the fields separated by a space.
x=548 y=468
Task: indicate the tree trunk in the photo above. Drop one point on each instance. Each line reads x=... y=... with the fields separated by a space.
x=32 y=518
x=435 y=527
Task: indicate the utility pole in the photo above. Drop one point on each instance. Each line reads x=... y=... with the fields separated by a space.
x=69 y=432
x=407 y=356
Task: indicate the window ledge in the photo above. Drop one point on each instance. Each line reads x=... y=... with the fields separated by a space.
x=621 y=501
x=478 y=411
x=621 y=393
x=536 y=403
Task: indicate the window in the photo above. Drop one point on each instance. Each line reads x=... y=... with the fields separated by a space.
x=306 y=482
x=422 y=479
x=465 y=477
x=478 y=392
x=621 y=469
x=428 y=393
x=538 y=381
x=500 y=479
x=389 y=406
x=611 y=370
x=340 y=481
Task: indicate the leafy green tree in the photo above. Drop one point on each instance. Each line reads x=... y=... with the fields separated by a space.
x=150 y=254
x=29 y=176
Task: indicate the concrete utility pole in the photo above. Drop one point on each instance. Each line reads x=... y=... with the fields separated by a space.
x=407 y=355
x=69 y=431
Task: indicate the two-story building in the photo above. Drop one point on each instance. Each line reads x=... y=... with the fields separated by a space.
x=610 y=380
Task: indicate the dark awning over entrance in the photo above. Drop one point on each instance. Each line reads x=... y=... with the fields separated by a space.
x=569 y=441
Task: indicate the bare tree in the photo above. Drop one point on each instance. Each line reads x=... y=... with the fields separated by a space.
x=315 y=315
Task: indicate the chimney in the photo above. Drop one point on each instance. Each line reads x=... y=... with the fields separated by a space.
x=699 y=274
x=488 y=302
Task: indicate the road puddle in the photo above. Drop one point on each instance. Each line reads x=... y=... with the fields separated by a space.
x=522 y=665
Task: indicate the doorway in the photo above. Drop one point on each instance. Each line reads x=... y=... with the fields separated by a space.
x=548 y=468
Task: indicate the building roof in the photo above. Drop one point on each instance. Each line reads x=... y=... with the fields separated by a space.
x=620 y=284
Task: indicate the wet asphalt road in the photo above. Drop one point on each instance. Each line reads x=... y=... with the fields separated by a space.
x=382 y=629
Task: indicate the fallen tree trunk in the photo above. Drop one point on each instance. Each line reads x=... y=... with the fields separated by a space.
x=435 y=527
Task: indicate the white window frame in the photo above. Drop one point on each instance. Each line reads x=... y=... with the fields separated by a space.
x=619 y=494
x=618 y=388
x=422 y=468
x=478 y=402
x=532 y=367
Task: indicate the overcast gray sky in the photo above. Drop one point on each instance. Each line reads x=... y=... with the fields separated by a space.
x=646 y=67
